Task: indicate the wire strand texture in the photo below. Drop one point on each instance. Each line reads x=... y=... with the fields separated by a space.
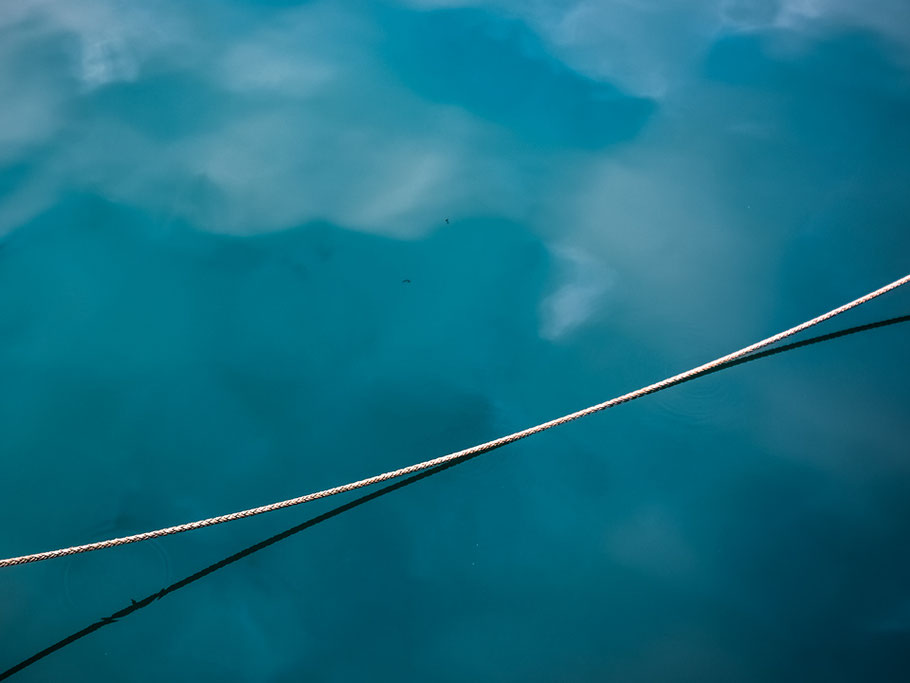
x=457 y=455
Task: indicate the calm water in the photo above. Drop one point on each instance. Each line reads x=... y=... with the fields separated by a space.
x=251 y=250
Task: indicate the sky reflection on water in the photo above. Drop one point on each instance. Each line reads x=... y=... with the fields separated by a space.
x=207 y=215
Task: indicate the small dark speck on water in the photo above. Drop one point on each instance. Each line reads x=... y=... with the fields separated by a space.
x=406 y=282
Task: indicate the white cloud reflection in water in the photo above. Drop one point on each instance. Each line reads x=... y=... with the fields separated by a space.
x=632 y=188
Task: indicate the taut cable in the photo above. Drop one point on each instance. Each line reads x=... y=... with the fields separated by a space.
x=474 y=450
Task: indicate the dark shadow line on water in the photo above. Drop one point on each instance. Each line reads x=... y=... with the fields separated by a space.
x=798 y=345
x=246 y=552
x=334 y=512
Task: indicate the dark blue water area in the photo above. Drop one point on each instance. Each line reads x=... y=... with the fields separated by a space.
x=253 y=250
x=497 y=68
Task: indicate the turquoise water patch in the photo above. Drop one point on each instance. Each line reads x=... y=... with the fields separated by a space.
x=497 y=69
x=253 y=250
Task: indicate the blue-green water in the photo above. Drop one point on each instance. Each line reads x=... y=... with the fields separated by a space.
x=252 y=250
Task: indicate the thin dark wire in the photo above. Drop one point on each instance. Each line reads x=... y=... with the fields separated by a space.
x=221 y=564
x=806 y=342
x=334 y=512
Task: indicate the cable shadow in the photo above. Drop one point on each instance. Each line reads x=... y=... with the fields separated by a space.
x=362 y=500
x=800 y=344
x=230 y=559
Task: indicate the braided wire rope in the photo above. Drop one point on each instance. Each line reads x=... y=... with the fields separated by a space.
x=457 y=455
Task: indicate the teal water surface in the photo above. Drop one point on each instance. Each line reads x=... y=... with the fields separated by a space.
x=250 y=250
